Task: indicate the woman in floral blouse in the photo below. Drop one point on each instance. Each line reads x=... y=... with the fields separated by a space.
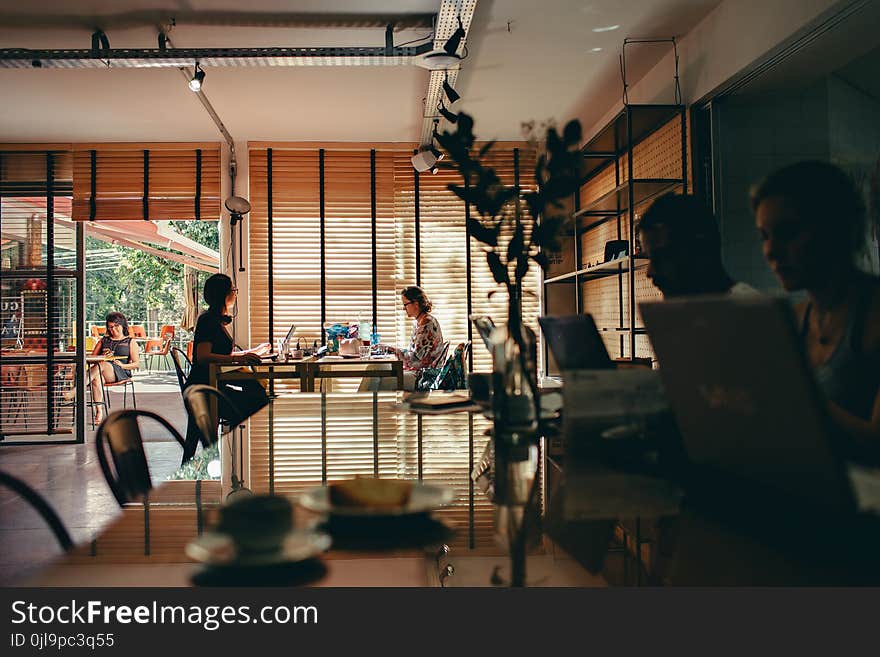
x=426 y=345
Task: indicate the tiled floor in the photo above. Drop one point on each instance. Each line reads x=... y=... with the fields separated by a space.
x=70 y=479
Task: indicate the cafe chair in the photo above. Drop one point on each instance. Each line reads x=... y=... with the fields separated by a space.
x=125 y=384
x=41 y=506
x=182 y=366
x=157 y=349
x=202 y=404
x=452 y=375
x=126 y=470
x=137 y=331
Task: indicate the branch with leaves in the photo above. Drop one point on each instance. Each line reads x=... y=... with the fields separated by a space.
x=499 y=206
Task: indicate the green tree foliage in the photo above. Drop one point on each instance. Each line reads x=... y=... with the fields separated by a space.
x=142 y=281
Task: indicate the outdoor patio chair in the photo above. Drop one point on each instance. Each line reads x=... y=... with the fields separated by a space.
x=41 y=506
x=125 y=384
x=157 y=349
x=126 y=469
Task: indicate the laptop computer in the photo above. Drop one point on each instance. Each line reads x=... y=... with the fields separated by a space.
x=274 y=356
x=745 y=399
x=576 y=343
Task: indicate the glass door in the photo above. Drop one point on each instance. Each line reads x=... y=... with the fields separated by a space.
x=41 y=293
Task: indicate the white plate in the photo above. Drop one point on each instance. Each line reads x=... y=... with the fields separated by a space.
x=422 y=499
x=219 y=549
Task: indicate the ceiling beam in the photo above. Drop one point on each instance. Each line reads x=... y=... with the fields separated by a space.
x=212 y=57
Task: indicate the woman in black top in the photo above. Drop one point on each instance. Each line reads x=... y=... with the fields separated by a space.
x=212 y=343
x=115 y=343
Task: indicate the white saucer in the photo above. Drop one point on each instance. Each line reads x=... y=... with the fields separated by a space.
x=219 y=549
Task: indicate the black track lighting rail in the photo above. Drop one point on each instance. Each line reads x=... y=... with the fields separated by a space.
x=210 y=57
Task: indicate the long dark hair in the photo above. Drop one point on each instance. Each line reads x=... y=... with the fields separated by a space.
x=118 y=318
x=824 y=196
x=217 y=288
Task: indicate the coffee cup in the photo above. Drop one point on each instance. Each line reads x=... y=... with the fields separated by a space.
x=257 y=524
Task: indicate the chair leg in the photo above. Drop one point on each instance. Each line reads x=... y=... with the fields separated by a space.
x=133 y=398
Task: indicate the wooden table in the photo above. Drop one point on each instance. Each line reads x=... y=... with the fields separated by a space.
x=309 y=370
x=338 y=368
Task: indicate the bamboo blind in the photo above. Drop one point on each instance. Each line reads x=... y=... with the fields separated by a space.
x=146 y=181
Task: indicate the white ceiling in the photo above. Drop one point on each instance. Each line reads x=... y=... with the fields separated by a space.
x=543 y=66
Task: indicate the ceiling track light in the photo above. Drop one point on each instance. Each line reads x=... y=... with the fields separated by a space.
x=449 y=116
x=453 y=42
x=198 y=79
x=451 y=93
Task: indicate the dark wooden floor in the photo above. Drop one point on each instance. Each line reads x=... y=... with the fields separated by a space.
x=70 y=479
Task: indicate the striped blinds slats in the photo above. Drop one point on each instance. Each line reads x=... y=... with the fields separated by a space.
x=296 y=244
x=132 y=182
x=307 y=443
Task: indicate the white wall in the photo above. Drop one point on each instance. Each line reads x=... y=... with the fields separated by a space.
x=728 y=40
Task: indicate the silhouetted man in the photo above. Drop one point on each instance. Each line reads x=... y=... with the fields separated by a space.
x=680 y=238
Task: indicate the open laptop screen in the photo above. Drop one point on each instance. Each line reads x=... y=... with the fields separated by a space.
x=576 y=343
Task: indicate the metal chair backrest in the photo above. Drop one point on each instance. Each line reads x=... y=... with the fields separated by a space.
x=441 y=357
x=137 y=331
x=182 y=366
x=167 y=331
x=120 y=435
x=42 y=507
x=199 y=401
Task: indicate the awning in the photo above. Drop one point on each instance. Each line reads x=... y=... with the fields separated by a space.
x=141 y=235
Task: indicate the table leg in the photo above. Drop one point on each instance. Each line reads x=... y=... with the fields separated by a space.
x=307 y=377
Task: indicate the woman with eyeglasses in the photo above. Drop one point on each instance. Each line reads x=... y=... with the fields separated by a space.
x=426 y=344
x=117 y=345
x=212 y=343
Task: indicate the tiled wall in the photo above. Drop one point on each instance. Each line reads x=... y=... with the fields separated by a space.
x=757 y=134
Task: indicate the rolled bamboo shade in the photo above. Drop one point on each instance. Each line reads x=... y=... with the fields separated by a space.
x=23 y=173
x=146 y=181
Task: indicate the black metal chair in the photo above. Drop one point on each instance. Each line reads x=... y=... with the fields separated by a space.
x=120 y=435
x=203 y=404
x=42 y=507
x=197 y=399
x=182 y=366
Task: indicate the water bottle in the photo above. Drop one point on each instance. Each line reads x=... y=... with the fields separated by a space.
x=375 y=338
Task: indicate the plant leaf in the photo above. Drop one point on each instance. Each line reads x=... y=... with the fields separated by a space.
x=515 y=246
x=498 y=269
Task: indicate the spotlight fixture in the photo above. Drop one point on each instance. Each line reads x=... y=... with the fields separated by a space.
x=424 y=160
x=238 y=207
x=451 y=93
x=454 y=41
x=449 y=116
x=198 y=79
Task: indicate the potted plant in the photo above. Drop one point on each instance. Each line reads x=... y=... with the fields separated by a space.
x=513 y=240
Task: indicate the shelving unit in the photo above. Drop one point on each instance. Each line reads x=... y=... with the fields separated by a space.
x=638 y=156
